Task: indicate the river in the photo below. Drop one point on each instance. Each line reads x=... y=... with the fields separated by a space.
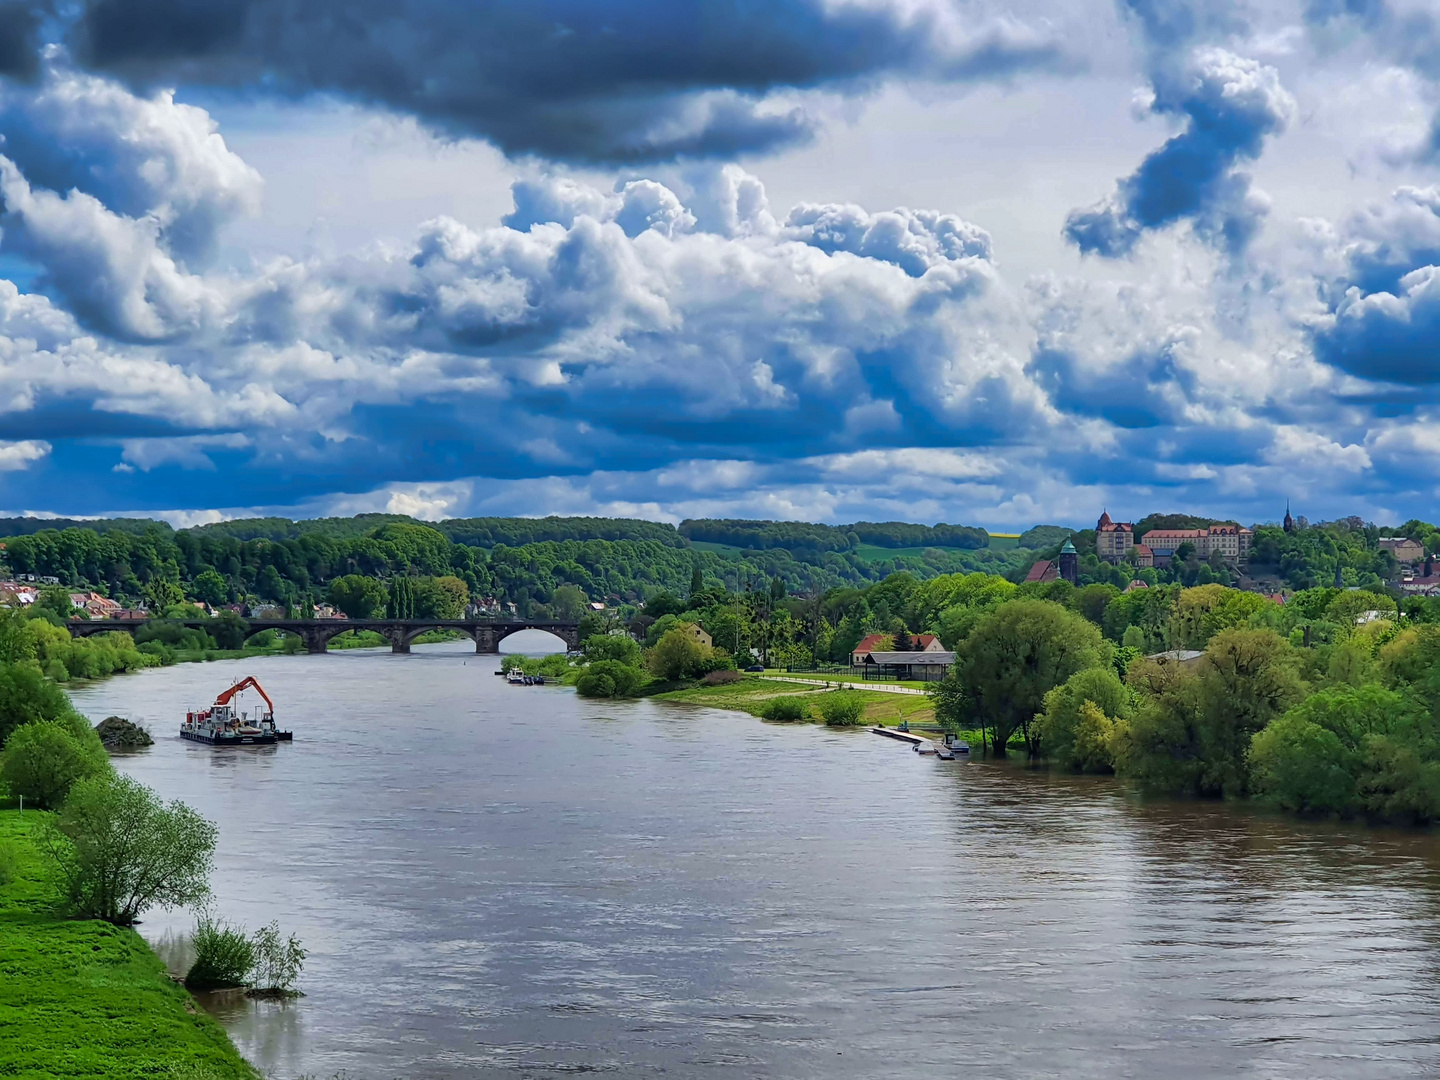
x=498 y=881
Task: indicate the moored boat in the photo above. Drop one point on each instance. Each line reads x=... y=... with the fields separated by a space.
x=223 y=724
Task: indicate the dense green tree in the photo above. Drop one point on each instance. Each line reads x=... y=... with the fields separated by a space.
x=358 y=596
x=55 y=598
x=1352 y=749
x=678 y=655
x=1017 y=654
x=15 y=644
x=1092 y=600
x=26 y=697
x=45 y=758
x=402 y=603
x=443 y=597
x=162 y=593
x=1192 y=734
x=1077 y=722
x=211 y=587
x=618 y=647
x=120 y=850
x=568 y=602
x=610 y=678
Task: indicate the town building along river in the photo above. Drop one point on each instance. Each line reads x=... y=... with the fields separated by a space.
x=497 y=882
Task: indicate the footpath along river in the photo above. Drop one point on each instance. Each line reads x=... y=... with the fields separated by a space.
x=499 y=881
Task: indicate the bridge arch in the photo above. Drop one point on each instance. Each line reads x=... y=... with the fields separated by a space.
x=553 y=640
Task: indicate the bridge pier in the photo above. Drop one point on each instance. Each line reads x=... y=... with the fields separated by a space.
x=316 y=642
x=486 y=642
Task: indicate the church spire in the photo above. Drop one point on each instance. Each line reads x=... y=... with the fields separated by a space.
x=1289 y=521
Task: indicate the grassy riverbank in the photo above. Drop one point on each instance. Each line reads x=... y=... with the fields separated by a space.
x=751 y=695
x=842 y=677
x=84 y=999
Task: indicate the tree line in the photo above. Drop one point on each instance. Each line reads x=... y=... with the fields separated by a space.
x=296 y=564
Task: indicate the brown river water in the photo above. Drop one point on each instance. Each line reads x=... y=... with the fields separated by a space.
x=499 y=881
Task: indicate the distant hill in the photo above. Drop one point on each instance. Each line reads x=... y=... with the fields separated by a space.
x=28 y=526
x=1044 y=536
x=800 y=536
x=472 y=532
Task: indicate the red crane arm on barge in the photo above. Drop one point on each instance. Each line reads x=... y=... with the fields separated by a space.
x=248 y=681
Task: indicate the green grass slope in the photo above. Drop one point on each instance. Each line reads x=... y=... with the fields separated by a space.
x=84 y=999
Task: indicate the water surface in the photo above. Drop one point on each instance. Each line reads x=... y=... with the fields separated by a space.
x=499 y=881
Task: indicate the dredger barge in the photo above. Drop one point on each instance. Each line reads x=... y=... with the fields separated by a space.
x=224 y=725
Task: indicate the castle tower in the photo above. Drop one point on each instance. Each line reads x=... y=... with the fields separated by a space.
x=1070 y=563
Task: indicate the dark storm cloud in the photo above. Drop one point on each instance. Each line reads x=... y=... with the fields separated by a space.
x=565 y=79
x=1229 y=105
x=20 y=22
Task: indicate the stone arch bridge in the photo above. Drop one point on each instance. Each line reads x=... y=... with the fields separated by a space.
x=316 y=633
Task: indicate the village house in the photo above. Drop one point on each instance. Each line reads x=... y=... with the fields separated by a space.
x=699 y=633
x=1044 y=570
x=94 y=605
x=1406 y=551
x=14 y=594
x=871 y=642
x=1064 y=567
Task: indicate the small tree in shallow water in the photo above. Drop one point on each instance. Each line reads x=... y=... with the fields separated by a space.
x=277 y=961
x=120 y=850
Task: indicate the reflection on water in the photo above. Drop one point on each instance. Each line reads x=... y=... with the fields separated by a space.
x=508 y=881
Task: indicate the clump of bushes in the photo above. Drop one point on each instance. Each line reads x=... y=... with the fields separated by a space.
x=43 y=760
x=841 y=709
x=609 y=679
x=224 y=957
x=1077 y=729
x=679 y=654
x=785 y=710
x=720 y=678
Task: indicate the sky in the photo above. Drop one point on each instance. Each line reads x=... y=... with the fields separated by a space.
x=829 y=260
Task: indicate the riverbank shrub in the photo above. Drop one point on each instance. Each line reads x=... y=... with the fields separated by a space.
x=119 y=850
x=45 y=759
x=63 y=657
x=609 y=679
x=224 y=956
x=841 y=709
x=621 y=647
x=278 y=961
x=1194 y=731
x=1077 y=727
x=785 y=710
x=27 y=696
x=1351 y=750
